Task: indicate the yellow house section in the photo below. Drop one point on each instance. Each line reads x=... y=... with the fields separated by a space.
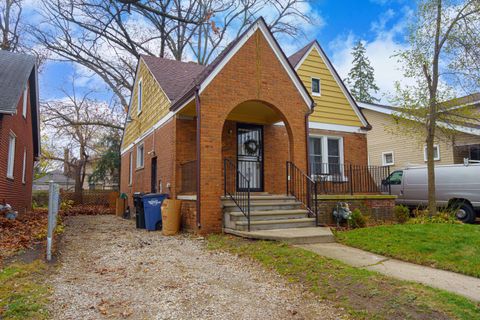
x=331 y=106
x=155 y=106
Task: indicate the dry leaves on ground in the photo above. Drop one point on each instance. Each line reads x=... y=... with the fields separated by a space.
x=22 y=233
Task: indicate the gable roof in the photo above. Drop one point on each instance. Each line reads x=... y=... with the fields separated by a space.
x=15 y=70
x=202 y=80
x=297 y=59
x=469 y=128
x=172 y=75
x=297 y=56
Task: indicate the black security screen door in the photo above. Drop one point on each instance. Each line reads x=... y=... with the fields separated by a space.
x=250 y=154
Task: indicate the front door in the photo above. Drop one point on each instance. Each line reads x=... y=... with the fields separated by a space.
x=250 y=155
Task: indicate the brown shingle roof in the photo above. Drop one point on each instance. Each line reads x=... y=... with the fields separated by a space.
x=172 y=75
x=297 y=56
x=179 y=79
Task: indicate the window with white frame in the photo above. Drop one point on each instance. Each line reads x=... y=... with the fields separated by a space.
x=25 y=99
x=326 y=155
x=130 y=170
x=140 y=155
x=139 y=96
x=436 y=153
x=315 y=86
x=24 y=167
x=388 y=158
x=11 y=155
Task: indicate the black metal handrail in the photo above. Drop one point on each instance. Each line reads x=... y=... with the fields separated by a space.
x=339 y=178
x=303 y=188
x=237 y=187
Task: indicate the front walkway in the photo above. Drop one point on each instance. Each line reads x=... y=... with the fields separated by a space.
x=109 y=269
x=450 y=281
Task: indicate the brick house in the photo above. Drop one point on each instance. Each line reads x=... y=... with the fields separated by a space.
x=19 y=128
x=228 y=135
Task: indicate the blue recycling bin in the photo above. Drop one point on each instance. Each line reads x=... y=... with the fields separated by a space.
x=152 y=204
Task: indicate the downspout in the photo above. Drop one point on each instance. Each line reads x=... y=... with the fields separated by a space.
x=197 y=109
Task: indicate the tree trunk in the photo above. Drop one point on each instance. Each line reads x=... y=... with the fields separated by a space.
x=432 y=207
x=78 y=184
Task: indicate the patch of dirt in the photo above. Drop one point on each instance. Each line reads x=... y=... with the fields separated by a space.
x=110 y=270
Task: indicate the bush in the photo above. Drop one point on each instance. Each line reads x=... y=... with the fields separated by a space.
x=66 y=205
x=422 y=217
x=402 y=213
x=357 y=219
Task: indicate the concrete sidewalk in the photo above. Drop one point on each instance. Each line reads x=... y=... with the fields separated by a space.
x=449 y=281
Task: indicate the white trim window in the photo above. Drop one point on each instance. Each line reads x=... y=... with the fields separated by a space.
x=326 y=156
x=130 y=169
x=25 y=99
x=316 y=87
x=139 y=96
x=140 y=156
x=24 y=167
x=388 y=158
x=436 y=152
x=11 y=155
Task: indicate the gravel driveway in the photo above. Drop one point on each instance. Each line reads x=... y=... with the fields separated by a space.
x=110 y=270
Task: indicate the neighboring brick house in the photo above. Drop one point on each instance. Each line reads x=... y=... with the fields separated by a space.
x=19 y=128
x=250 y=109
x=389 y=146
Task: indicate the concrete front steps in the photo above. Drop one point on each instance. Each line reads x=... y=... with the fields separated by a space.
x=274 y=217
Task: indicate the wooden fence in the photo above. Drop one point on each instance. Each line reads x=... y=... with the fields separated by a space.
x=88 y=197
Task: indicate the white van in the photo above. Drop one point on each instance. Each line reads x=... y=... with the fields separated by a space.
x=457 y=186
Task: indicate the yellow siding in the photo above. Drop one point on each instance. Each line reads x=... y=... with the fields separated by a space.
x=332 y=106
x=155 y=106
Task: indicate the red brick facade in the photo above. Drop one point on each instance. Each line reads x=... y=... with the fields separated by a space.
x=14 y=191
x=253 y=74
x=159 y=144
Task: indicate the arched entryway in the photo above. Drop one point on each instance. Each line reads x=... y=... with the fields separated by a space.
x=257 y=141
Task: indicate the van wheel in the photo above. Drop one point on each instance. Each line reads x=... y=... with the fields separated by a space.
x=465 y=213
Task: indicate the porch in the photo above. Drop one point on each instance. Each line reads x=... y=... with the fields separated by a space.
x=306 y=201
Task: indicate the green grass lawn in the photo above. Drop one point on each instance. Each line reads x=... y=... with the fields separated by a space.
x=454 y=247
x=361 y=293
x=23 y=294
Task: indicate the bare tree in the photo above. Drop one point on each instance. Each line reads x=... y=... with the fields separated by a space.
x=75 y=127
x=444 y=60
x=10 y=14
x=108 y=36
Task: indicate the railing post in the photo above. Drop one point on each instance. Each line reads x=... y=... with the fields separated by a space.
x=389 y=185
x=316 y=202
x=225 y=177
x=248 y=204
x=351 y=180
x=286 y=176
